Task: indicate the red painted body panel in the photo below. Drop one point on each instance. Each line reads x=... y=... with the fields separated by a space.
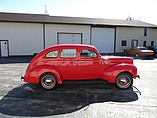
x=33 y=76
x=78 y=68
x=112 y=73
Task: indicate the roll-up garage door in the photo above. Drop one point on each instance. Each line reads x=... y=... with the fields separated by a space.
x=67 y=38
x=103 y=39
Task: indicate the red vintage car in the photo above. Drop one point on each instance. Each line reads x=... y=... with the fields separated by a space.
x=79 y=62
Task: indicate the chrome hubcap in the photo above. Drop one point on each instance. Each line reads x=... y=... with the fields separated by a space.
x=123 y=80
x=48 y=80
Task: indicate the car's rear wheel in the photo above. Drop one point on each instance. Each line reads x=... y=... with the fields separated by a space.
x=124 y=81
x=137 y=55
x=48 y=81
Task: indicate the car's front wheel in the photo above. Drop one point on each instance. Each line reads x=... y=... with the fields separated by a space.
x=124 y=81
x=48 y=81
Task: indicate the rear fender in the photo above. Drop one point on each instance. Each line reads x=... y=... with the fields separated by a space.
x=110 y=74
x=34 y=75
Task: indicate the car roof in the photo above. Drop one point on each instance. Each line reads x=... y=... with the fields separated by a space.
x=141 y=47
x=71 y=45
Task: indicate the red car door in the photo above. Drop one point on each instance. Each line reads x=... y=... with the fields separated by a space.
x=69 y=64
x=90 y=65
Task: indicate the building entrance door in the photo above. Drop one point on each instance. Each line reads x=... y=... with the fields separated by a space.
x=4 y=49
x=134 y=43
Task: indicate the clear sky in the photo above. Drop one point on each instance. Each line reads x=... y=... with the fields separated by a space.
x=144 y=10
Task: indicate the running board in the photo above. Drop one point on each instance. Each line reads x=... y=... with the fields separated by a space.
x=84 y=81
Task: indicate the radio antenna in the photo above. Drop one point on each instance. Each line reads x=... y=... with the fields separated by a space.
x=46 y=9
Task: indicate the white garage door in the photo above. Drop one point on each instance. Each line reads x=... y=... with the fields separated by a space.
x=69 y=38
x=103 y=39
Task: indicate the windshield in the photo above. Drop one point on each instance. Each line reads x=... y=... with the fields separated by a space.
x=143 y=48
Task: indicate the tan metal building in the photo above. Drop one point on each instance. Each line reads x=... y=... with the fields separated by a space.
x=27 y=34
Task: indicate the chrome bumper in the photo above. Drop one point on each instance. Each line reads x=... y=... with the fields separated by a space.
x=138 y=76
x=22 y=78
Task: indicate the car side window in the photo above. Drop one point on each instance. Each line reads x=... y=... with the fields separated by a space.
x=88 y=54
x=133 y=48
x=68 y=53
x=52 y=54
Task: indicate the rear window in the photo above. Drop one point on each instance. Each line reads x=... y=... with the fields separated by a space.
x=52 y=54
x=68 y=53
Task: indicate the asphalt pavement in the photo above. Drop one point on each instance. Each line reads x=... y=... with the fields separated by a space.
x=20 y=99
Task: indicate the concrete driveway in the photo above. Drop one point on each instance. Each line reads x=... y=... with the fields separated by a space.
x=77 y=101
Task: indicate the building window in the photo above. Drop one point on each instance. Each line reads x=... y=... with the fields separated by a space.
x=144 y=43
x=152 y=43
x=68 y=53
x=145 y=31
x=124 y=43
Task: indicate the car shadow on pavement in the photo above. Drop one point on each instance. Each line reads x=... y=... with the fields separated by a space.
x=144 y=58
x=31 y=100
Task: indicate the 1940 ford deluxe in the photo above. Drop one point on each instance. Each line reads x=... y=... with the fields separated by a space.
x=79 y=62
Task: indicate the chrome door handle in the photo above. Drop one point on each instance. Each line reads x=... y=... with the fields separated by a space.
x=82 y=62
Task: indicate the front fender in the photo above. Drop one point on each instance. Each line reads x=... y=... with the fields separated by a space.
x=110 y=74
x=34 y=75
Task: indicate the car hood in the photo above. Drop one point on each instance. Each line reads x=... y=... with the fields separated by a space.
x=117 y=60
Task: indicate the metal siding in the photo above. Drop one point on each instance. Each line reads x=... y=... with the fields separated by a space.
x=52 y=30
x=24 y=38
x=103 y=39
